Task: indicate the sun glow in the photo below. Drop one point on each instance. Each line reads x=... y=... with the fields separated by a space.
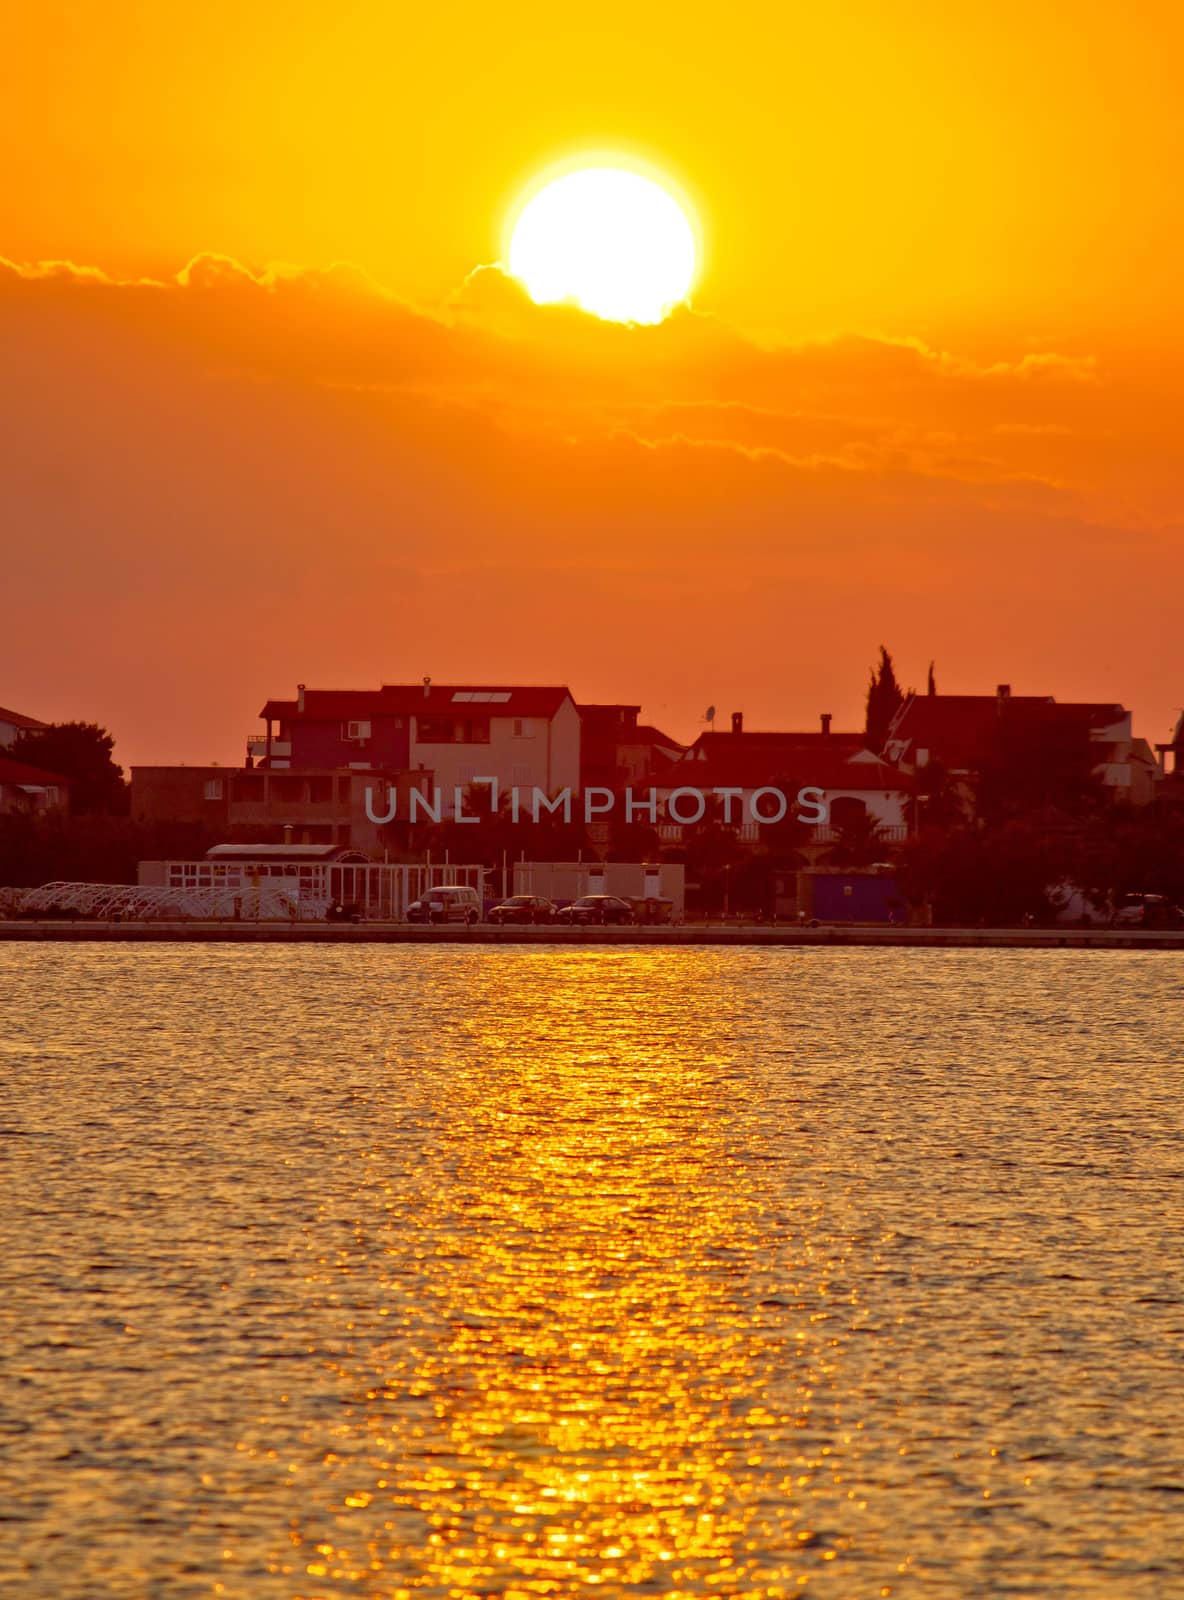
x=614 y=242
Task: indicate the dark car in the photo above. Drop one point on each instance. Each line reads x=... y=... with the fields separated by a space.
x=597 y=908
x=1146 y=911
x=523 y=908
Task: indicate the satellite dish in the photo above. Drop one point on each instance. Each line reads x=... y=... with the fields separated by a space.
x=709 y=714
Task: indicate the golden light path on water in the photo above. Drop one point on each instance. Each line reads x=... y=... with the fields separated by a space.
x=583 y=1383
x=452 y=1274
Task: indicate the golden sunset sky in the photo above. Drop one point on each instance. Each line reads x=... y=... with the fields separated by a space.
x=271 y=413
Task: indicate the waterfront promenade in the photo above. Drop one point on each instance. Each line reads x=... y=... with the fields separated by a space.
x=687 y=934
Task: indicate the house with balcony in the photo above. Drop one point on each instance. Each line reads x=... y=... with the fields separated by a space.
x=182 y=794
x=1175 y=749
x=524 y=736
x=1050 y=744
x=617 y=752
x=14 y=722
x=30 y=791
x=280 y=805
x=855 y=785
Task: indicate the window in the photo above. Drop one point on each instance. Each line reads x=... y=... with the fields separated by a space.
x=213 y=789
x=286 y=791
x=357 y=730
x=448 y=730
x=523 y=777
x=523 y=728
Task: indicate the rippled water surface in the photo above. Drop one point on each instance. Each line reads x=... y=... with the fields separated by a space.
x=428 y=1271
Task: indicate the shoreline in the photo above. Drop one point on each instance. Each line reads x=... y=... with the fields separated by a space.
x=754 y=935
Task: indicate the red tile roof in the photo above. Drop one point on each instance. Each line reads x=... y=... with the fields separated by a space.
x=736 y=763
x=959 y=729
x=17 y=719
x=646 y=733
x=525 y=700
x=19 y=772
x=780 y=741
x=395 y=699
x=330 y=704
x=758 y=758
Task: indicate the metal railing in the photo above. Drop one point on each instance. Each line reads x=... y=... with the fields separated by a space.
x=753 y=832
x=257 y=746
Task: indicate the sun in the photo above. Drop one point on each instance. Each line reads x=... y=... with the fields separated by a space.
x=614 y=242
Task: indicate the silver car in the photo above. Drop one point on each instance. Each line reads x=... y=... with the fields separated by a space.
x=446 y=902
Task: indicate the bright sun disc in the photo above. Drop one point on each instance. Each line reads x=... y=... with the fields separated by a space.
x=612 y=241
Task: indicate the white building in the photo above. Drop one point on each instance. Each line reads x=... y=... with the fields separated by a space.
x=14 y=722
x=562 y=881
x=524 y=738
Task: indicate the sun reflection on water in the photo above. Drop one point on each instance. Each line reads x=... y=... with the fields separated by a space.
x=461 y=1273
x=577 y=1381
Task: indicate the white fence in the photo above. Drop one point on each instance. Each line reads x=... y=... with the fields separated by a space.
x=269 y=891
x=272 y=901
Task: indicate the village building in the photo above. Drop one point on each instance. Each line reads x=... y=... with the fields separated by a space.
x=29 y=790
x=852 y=785
x=13 y=723
x=522 y=736
x=1174 y=771
x=967 y=736
x=295 y=805
x=617 y=752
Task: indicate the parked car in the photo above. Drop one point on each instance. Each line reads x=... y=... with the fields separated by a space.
x=524 y=908
x=446 y=902
x=596 y=908
x=1146 y=911
x=652 y=909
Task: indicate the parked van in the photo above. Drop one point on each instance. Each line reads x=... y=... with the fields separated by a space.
x=446 y=902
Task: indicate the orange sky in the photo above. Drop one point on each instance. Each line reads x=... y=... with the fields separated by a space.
x=928 y=395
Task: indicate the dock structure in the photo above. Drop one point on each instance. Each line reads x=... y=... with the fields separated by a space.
x=755 y=935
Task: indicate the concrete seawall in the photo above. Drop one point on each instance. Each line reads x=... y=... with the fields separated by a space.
x=698 y=934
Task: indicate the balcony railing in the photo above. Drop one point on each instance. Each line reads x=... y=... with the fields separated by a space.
x=753 y=832
x=886 y=833
x=257 y=746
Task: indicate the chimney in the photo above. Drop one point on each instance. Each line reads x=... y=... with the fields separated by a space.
x=300 y=697
x=1002 y=695
x=826 y=723
x=737 y=722
x=427 y=687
